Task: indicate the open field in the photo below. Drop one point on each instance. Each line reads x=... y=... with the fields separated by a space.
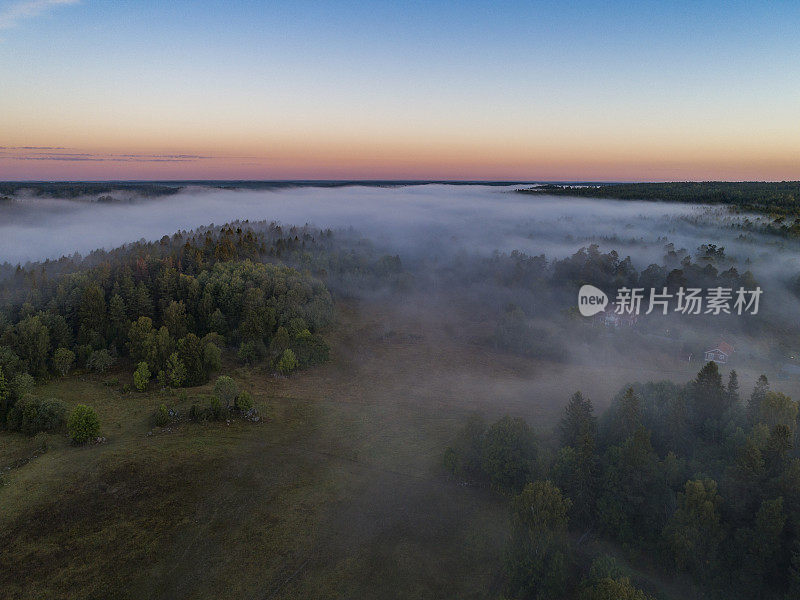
x=337 y=493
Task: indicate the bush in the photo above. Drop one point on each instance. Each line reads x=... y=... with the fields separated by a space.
x=226 y=390
x=251 y=352
x=509 y=454
x=176 y=370
x=215 y=410
x=310 y=349
x=162 y=418
x=82 y=353
x=83 y=424
x=32 y=415
x=244 y=402
x=5 y=397
x=63 y=359
x=141 y=376
x=613 y=589
x=287 y=362
x=463 y=457
x=280 y=341
x=212 y=357
x=21 y=386
x=100 y=361
x=51 y=416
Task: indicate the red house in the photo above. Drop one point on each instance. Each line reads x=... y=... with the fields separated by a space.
x=720 y=353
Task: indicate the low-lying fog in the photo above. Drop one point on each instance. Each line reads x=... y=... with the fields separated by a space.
x=431 y=219
x=444 y=231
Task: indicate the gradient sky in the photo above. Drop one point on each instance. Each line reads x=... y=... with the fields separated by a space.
x=114 y=89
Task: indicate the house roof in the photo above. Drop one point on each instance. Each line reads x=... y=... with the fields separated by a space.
x=723 y=347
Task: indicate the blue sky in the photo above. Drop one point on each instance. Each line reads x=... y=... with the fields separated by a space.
x=634 y=90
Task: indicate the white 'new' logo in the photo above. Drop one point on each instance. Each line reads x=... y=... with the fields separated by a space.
x=591 y=300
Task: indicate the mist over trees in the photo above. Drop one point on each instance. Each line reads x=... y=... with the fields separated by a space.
x=678 y=475
x=692 y=481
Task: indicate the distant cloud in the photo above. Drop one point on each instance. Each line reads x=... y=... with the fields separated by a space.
x=12 y=14
x=32 y=148
x=87 y=157
x=52 y=153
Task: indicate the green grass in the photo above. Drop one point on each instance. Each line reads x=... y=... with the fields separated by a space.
x=338 y=493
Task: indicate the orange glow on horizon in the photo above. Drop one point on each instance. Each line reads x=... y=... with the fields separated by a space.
x=327 y=159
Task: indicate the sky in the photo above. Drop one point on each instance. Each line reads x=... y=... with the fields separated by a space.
x=535 y=91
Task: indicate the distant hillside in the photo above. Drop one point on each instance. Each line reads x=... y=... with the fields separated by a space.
x=152 y=189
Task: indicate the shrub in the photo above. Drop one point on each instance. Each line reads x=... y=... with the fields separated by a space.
x=63 y=359
x=9 y=362
x=82 y=353
x=250 y=352
x=215 y=410
x=509 y=454
x=51 y=416
x=613 y=589
x=244 y=402
x=141 y=376
x=21 y=386
x=226 y=390
x=100 y=361
x=83 y=424
x=463 y=457
x=176 y=370
x=212 y=357
x=162 y=418
x=280 y=341
x=32 y=415
x=5 y=397
x=14 y=416
x=287 y=362
x=310 y=349
x=605 y=567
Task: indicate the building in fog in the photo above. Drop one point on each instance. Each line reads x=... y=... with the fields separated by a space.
x=720 y=353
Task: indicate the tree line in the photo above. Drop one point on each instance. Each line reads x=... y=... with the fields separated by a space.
x=775 y=198
x=687 y=479
x=171 y=312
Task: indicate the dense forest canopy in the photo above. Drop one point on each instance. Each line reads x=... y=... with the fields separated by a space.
x=171 y=306
x=694 y=479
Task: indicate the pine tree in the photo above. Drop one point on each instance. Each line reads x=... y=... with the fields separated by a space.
x=578 y=421
x=709 y=400
x=5 y=396
x=630 y=413
x=733 y=389
x=756 y=398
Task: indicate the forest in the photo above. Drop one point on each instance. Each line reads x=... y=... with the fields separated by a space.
x=337 y=409
x=695 y=479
